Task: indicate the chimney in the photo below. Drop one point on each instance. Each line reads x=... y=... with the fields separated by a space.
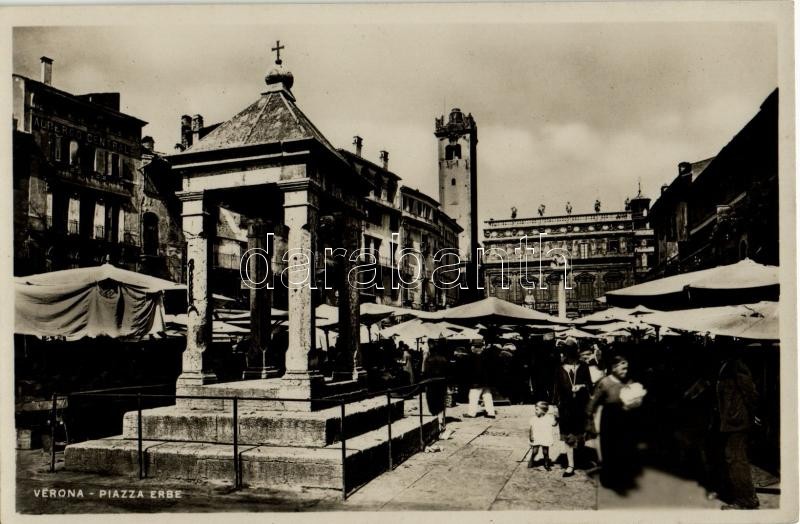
x=197 y=126
x=186 y=131
x=684 y=168
x=47 y=70
x=358 y=142
x=384 y=156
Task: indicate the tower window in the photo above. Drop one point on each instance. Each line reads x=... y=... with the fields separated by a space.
x=452 y=152
x=453 y=182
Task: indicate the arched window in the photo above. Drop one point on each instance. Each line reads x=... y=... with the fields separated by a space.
x=150 y=234
x=452 y=152
x=585 y=284
x=553 y=283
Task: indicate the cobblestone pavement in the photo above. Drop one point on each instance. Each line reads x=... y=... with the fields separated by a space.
x=481 y=467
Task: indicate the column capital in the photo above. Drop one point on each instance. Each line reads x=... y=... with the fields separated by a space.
x=300 y=184
x=189 y=196
x=300 y=193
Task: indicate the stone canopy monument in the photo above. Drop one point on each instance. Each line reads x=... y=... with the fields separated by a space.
x=272 y=165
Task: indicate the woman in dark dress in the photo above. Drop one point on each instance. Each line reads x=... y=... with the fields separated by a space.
x=617 y=428
x=572 y=387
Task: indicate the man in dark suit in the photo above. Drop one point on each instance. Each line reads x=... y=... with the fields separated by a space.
x=737 y=400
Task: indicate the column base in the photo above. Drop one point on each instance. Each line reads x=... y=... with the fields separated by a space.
x=192 y=379
x=302 y=385
x=358 y=375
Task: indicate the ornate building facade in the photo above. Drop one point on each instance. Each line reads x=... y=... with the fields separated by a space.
x=87 y=187
x=604 y=251
x=725 y=208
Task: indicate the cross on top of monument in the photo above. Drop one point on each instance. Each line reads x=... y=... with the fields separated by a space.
x=277 y=50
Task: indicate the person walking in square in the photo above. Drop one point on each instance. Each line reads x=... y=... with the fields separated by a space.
x=541 y=435
x=480 y=382
x=573 y=386
x=620 y=397
x=737 y=398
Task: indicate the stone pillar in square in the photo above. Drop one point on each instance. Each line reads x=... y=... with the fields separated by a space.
x=260 y=363
x=198 y=228
x=349 y=363
x=302 y=378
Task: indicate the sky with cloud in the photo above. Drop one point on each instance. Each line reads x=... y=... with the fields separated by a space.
x=565 y=111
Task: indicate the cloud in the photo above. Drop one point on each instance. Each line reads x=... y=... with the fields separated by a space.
x=564 y=111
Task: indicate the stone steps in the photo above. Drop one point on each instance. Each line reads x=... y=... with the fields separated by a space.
x=367 y=455
x=257 y=427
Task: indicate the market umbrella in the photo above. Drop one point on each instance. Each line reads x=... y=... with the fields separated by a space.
x=219 y=327
x=615 y=314
x=416 y=329
x=490 y=310
x=241 y=318
x=179 y=290
x=88 y=302
x=742 y=282
x=575 y=333
x=752 y=321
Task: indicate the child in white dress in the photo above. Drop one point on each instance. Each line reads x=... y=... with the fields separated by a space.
x=541 y=433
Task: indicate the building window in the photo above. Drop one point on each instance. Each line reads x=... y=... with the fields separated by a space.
x=115 y=165
x=74 y=216
x=99 y=220
x=48 y=209
x=74 y=157
x=585 y=285
x=57 y=149
x=150 y=234
x=584 y=250
x=453 y=182
x=99 y=161
x=452 y=152
x=121 y=226
x=108 y=164
x=613 y=246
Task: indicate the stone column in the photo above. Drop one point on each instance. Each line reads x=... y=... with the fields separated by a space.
x=198 y=229
x=349 y=365
x=260 y=364
x=302 y=378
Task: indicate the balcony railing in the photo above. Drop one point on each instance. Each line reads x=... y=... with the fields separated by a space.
x=533 y=260
x=73 y=227
x=99 y=232
x=95 y=180
x=585 y=218
x=48 y=222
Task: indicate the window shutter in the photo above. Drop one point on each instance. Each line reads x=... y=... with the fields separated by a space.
x=99 y=161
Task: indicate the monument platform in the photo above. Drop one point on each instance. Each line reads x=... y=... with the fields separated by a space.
x=278 y=446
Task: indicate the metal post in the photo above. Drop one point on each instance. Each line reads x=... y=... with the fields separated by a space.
x=53 y=421
x=344 y=453
x=139 y=434
x=444 y=405
x=389 y=426
x=237 y=480
x=421 y=439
